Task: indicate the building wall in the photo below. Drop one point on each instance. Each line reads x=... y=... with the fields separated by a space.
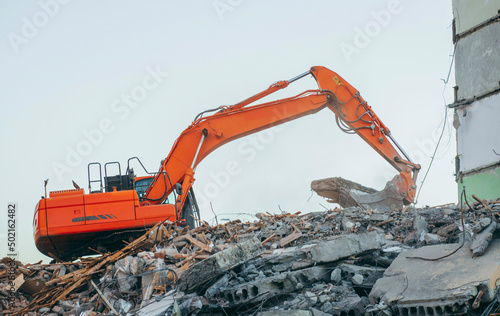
x=477 y=96
x=470 y=13
x=477 y=60
x=478 y=137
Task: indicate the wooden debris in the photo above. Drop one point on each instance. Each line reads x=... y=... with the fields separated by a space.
x=293 y=236
x=174 y=250
x=104 y=299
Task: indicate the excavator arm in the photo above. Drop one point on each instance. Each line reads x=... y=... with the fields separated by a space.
x=205 y=134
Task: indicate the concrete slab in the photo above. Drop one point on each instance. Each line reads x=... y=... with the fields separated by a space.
x=283 y=283
x=157 y=308
x=346 y=246
x=415 y=286
x=215 y=265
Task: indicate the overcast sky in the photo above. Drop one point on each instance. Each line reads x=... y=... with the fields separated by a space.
x=86 y=81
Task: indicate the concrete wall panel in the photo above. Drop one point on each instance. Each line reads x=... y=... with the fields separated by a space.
x=479 y=133
x=477 y=67
x=469 y=13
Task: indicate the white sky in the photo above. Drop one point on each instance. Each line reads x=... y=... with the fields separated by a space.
x=67 y=65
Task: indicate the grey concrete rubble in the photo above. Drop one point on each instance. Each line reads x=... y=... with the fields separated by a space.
x=280 y=284
x=338 y=190
x=366 y=276
x=348 y=193
x=482 y=239
x=342 y=261
x=447 y=285
x=345 y=246
x=219 y=263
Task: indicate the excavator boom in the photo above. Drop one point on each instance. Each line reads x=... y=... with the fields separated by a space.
x=353 y=115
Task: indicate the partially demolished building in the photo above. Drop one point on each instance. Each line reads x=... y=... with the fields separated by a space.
x=476 y=37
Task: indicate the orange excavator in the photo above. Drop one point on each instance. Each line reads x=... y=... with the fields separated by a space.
x=71 y=223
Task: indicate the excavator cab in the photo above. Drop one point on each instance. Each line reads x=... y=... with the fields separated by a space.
x=141 y=184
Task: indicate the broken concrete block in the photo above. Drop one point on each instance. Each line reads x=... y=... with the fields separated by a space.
x=347 y=224
x=58 y=309
x=437 y=287
x=338 y=190
x=81 y=309
x=482 y=240
x=485 y=221
x=218 y=286
x=158 y=308
x=379 y=217
x=124 y=264
x=357 y=279
x=283 y=283
x=369 y=275
x=126 y=282
x=68 y=305
x=148 y=280
x=110 y=296
x=122 y=306
x=432 y=239
x=136 y=265
x=343 y=300
x=420 y=226
x=311 y=296
x=346 y=246
x=192 y=305
x=323 y=298
x=317 y=312
x=217 y=264
x=336 y=276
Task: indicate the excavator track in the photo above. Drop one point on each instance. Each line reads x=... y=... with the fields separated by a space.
x=108 y=242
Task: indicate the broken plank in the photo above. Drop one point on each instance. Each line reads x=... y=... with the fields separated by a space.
x=198 y=243
x=288 y=239
x=268 y=239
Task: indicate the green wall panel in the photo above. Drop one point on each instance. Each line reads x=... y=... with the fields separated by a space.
x=484 y=185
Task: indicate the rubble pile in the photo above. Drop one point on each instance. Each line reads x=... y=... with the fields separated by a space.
x=344 y=261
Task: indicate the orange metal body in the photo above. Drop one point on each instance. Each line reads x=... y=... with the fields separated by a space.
x=70 y=219
x=55 y=225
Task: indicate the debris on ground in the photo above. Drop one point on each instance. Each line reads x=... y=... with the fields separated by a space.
x=417 y=282
x=342 y=261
